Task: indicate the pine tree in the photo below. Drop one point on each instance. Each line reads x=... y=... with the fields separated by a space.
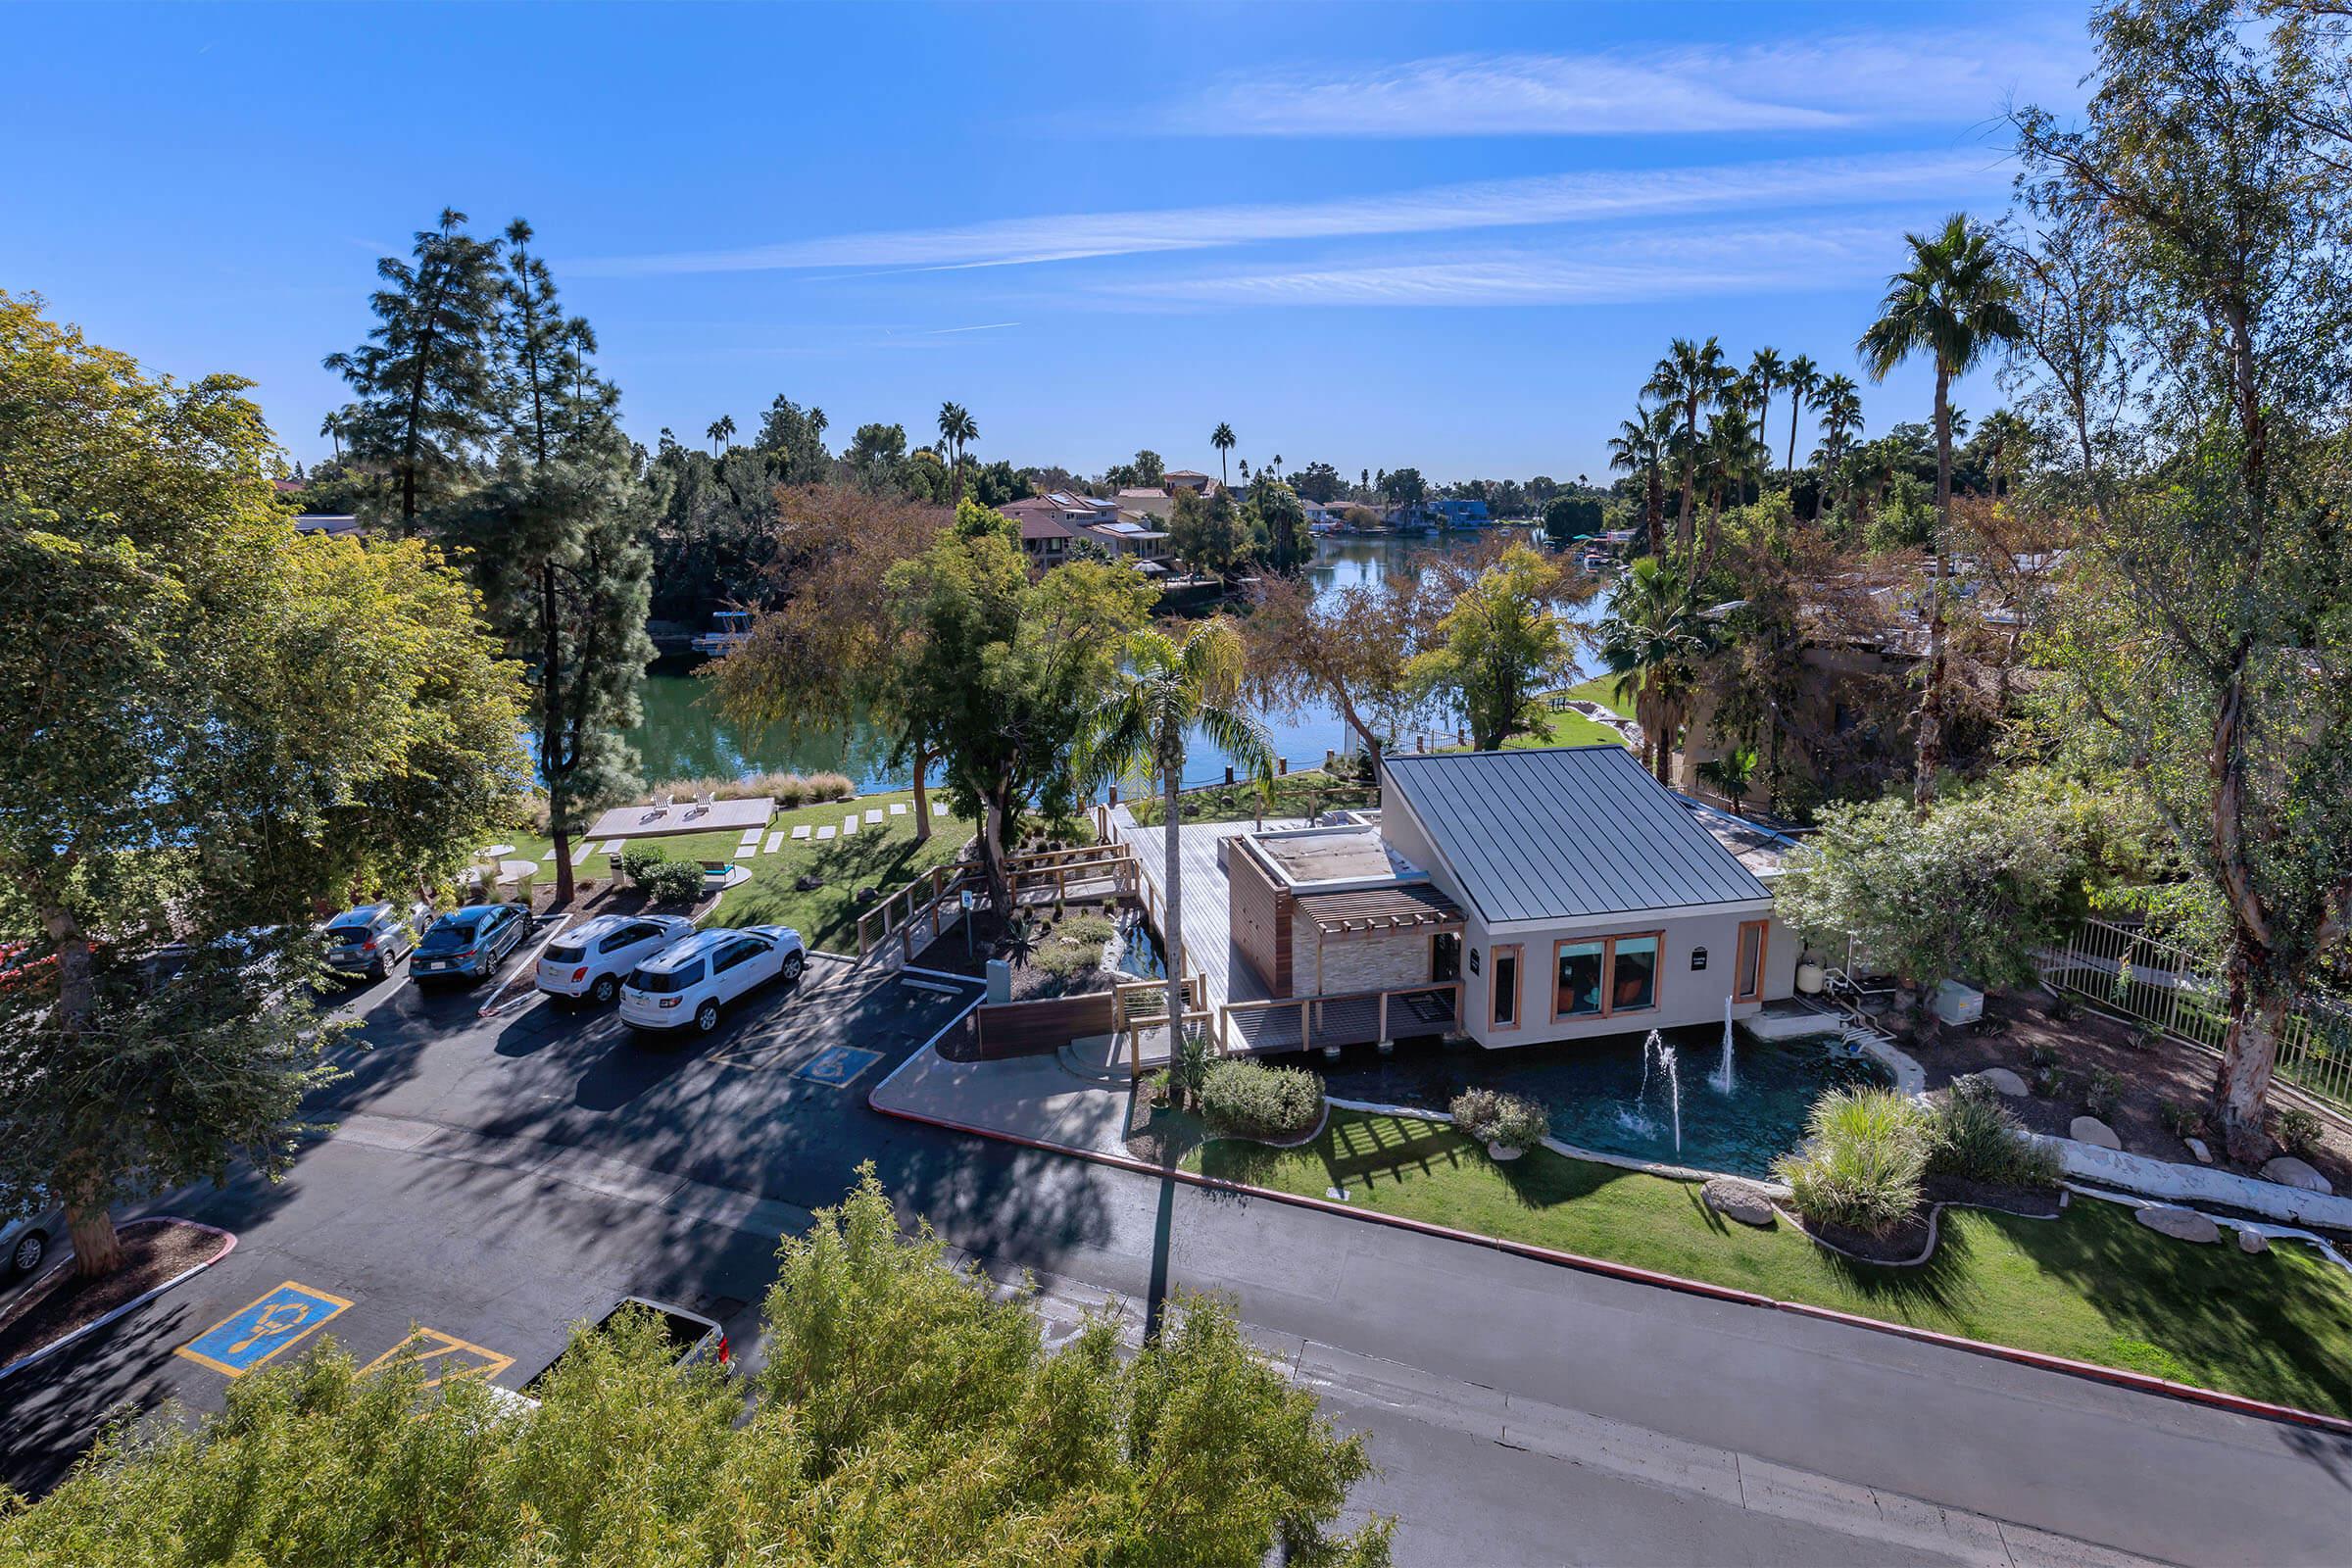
x=426 y=381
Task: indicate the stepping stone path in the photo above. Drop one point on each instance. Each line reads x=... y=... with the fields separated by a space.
x=2005 y=1082
x=2180 y=1224
x=1737 y=1201
x=2250 y=1239
x=800 y=832
x=849 y=825
x=2288 y=1171
x=825 y=832
x=549 y=855
x=616 y=847
x=898 y=808
x=2091 y=1130
x=579 y=857
x=775 y=841
x=939 y=808
x=873 y=814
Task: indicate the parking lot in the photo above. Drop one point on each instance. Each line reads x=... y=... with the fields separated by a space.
x=490 y=1181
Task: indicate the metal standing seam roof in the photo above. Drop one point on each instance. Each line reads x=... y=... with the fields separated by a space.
x=1566 y=832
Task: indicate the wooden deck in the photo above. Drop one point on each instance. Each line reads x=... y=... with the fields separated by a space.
x=1209 y=946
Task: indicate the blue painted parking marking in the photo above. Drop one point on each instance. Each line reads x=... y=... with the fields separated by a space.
x=837 y=1065
x=253 y=1334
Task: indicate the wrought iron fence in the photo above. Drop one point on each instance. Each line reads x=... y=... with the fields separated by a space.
x=2130 y=973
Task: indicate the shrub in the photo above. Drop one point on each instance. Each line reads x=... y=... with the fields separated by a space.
x=831 y=787
x=2099 y=1092
x=1244 y=1098
x=1971 y=1136
x=791 y=790
x=2060 y=1009
x=672 y=881
x=1861 y=1161
x=636 y=859
x=1519 y=1123
x=1086 y=926
x=1066 y=961
x=1188 y=1071
x=1473 y=1112
x=2144 y=1036
x=2297 y=1131
x=2182 y=1118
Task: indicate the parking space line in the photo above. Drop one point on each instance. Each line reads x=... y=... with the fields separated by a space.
x=264 y=1326
x=445 y=1356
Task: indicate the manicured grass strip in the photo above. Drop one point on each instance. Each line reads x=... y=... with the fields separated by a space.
x=881 y=855
x=2093 y=1284
x=1602 y=688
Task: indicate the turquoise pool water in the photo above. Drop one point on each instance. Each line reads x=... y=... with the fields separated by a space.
x=1600 y=1097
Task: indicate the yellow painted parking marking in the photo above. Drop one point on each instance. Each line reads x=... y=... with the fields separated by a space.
x=443 y=1355
x=272 y=1322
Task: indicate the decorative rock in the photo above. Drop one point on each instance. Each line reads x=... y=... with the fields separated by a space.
x=1737 y=1201
x=2091 y=1130
x=2180 y=1224
x=2005 y=1081
x=2196 y=1147
x=2288 y=1171
x=2250 y=1239
x=1502 y=1153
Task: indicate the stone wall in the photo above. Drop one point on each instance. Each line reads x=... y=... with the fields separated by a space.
x=1361 y=960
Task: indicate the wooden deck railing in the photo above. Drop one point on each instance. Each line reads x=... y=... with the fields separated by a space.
x=1351 y=1018
x=1043 y=876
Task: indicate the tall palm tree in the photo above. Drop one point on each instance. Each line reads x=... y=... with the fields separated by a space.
x=1223 y=440
x=1802 y=378
x=1639 y=447
x=2007 y=437
x=721 y=430
x=955 y=429
x=1953 y=304
x=1765 y=369
x=1167 y=691
x=1839 y=402
x=1653 y=641
x=332 y=425
x=1689 y=376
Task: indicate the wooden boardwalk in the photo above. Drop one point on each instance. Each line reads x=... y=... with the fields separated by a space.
x=1208 y=948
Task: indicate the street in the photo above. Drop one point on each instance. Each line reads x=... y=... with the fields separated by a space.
x=494 y=1179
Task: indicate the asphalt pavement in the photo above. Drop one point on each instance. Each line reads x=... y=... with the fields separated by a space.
x=493 y=1179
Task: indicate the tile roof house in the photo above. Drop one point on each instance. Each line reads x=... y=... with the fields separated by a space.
x=1559 y=894
x=1192 y=479
x=1152 y=501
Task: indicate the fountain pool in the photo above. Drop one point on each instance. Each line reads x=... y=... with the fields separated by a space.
x=1598 y=1099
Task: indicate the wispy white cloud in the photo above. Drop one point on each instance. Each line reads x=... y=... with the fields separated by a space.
x=983 y=326
x=1640 y=268
x=1799 y=84
x=1618 y=194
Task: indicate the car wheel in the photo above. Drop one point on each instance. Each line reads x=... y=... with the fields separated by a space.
x=26 y=1254
x=792 y=967
x=379 y=968
x=604 y=991
x=706 y=1016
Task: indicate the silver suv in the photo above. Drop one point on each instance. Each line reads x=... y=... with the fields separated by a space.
x=370 y=939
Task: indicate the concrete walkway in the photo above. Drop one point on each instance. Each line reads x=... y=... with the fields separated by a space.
x=1025 y=1097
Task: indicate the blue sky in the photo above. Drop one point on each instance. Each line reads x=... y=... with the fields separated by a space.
x=1375 y=236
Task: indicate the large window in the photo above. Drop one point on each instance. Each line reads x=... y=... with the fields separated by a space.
x=1445 y=956
x=1605 y=976
x=1503 y=981
x=1748 y=971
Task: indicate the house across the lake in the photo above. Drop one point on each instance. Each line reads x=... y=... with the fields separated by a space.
x=1566 y=892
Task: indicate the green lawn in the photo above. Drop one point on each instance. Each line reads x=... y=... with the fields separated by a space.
x=1602 y=688
x=880 y=855
x=2093 y=1284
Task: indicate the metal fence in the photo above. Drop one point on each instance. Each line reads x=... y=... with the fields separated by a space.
x=2130 y=973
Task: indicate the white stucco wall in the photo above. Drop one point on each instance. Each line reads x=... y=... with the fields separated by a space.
x=1685 y=996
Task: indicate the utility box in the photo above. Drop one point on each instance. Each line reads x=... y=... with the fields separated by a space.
x=1000 y=981
x=1956 y=1004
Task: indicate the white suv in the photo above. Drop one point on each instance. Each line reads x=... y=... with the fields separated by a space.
x=687 y=984
x=592 y=960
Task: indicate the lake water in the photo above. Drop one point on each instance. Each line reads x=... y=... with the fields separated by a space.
x=683 y=735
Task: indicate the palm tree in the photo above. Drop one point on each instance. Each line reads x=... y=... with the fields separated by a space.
x=1840 y=404
x=721 y=430
x=1691 y=374
x=332 y=425
x=2006 y=436
x=1167 y=691
x=1653 y=641
x=1223 y=440
x=1639 y=447
x=1953 y=302
x=1802 y=379
x=1733 y=775
x=955 y=428
x=1765 y=369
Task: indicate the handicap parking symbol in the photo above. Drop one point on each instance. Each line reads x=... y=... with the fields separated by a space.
x=837 y=1065
x=253 y=1334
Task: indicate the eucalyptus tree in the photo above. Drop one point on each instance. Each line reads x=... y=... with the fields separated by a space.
x=1802 y=379
x=425 y=382
x=1223 y=439
x=1691 y=375
x=1955 y=304
x=1163 y=692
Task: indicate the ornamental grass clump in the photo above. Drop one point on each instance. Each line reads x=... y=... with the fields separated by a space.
x=1860 y=1165
x=1973 y=1137
x=1251 y=1100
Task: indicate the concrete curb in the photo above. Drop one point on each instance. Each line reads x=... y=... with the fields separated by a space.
x=2237 y=1404
x=228 y=1245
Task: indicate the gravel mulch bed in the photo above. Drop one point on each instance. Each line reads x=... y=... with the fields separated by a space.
x=62 y=1301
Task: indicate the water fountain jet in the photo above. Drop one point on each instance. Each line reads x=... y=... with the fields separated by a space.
x=1721 y=1080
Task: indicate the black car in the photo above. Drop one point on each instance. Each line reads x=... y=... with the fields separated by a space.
x=469 y=944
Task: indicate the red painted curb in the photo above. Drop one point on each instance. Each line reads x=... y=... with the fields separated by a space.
x=2140 y=1382
x=228 y=1245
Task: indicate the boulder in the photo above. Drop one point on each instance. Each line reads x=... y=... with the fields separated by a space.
x=1502 y=1153
x=2005 y=1082
x=2180 y=1224
x=2198 y=1147
x=2250 y=1239
x=1749 y=1205
x=2091 y=1130
x=2288 y=1171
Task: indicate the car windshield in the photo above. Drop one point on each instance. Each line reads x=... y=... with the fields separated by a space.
x=663 y=982
x=566 y=953
x=449 y=936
